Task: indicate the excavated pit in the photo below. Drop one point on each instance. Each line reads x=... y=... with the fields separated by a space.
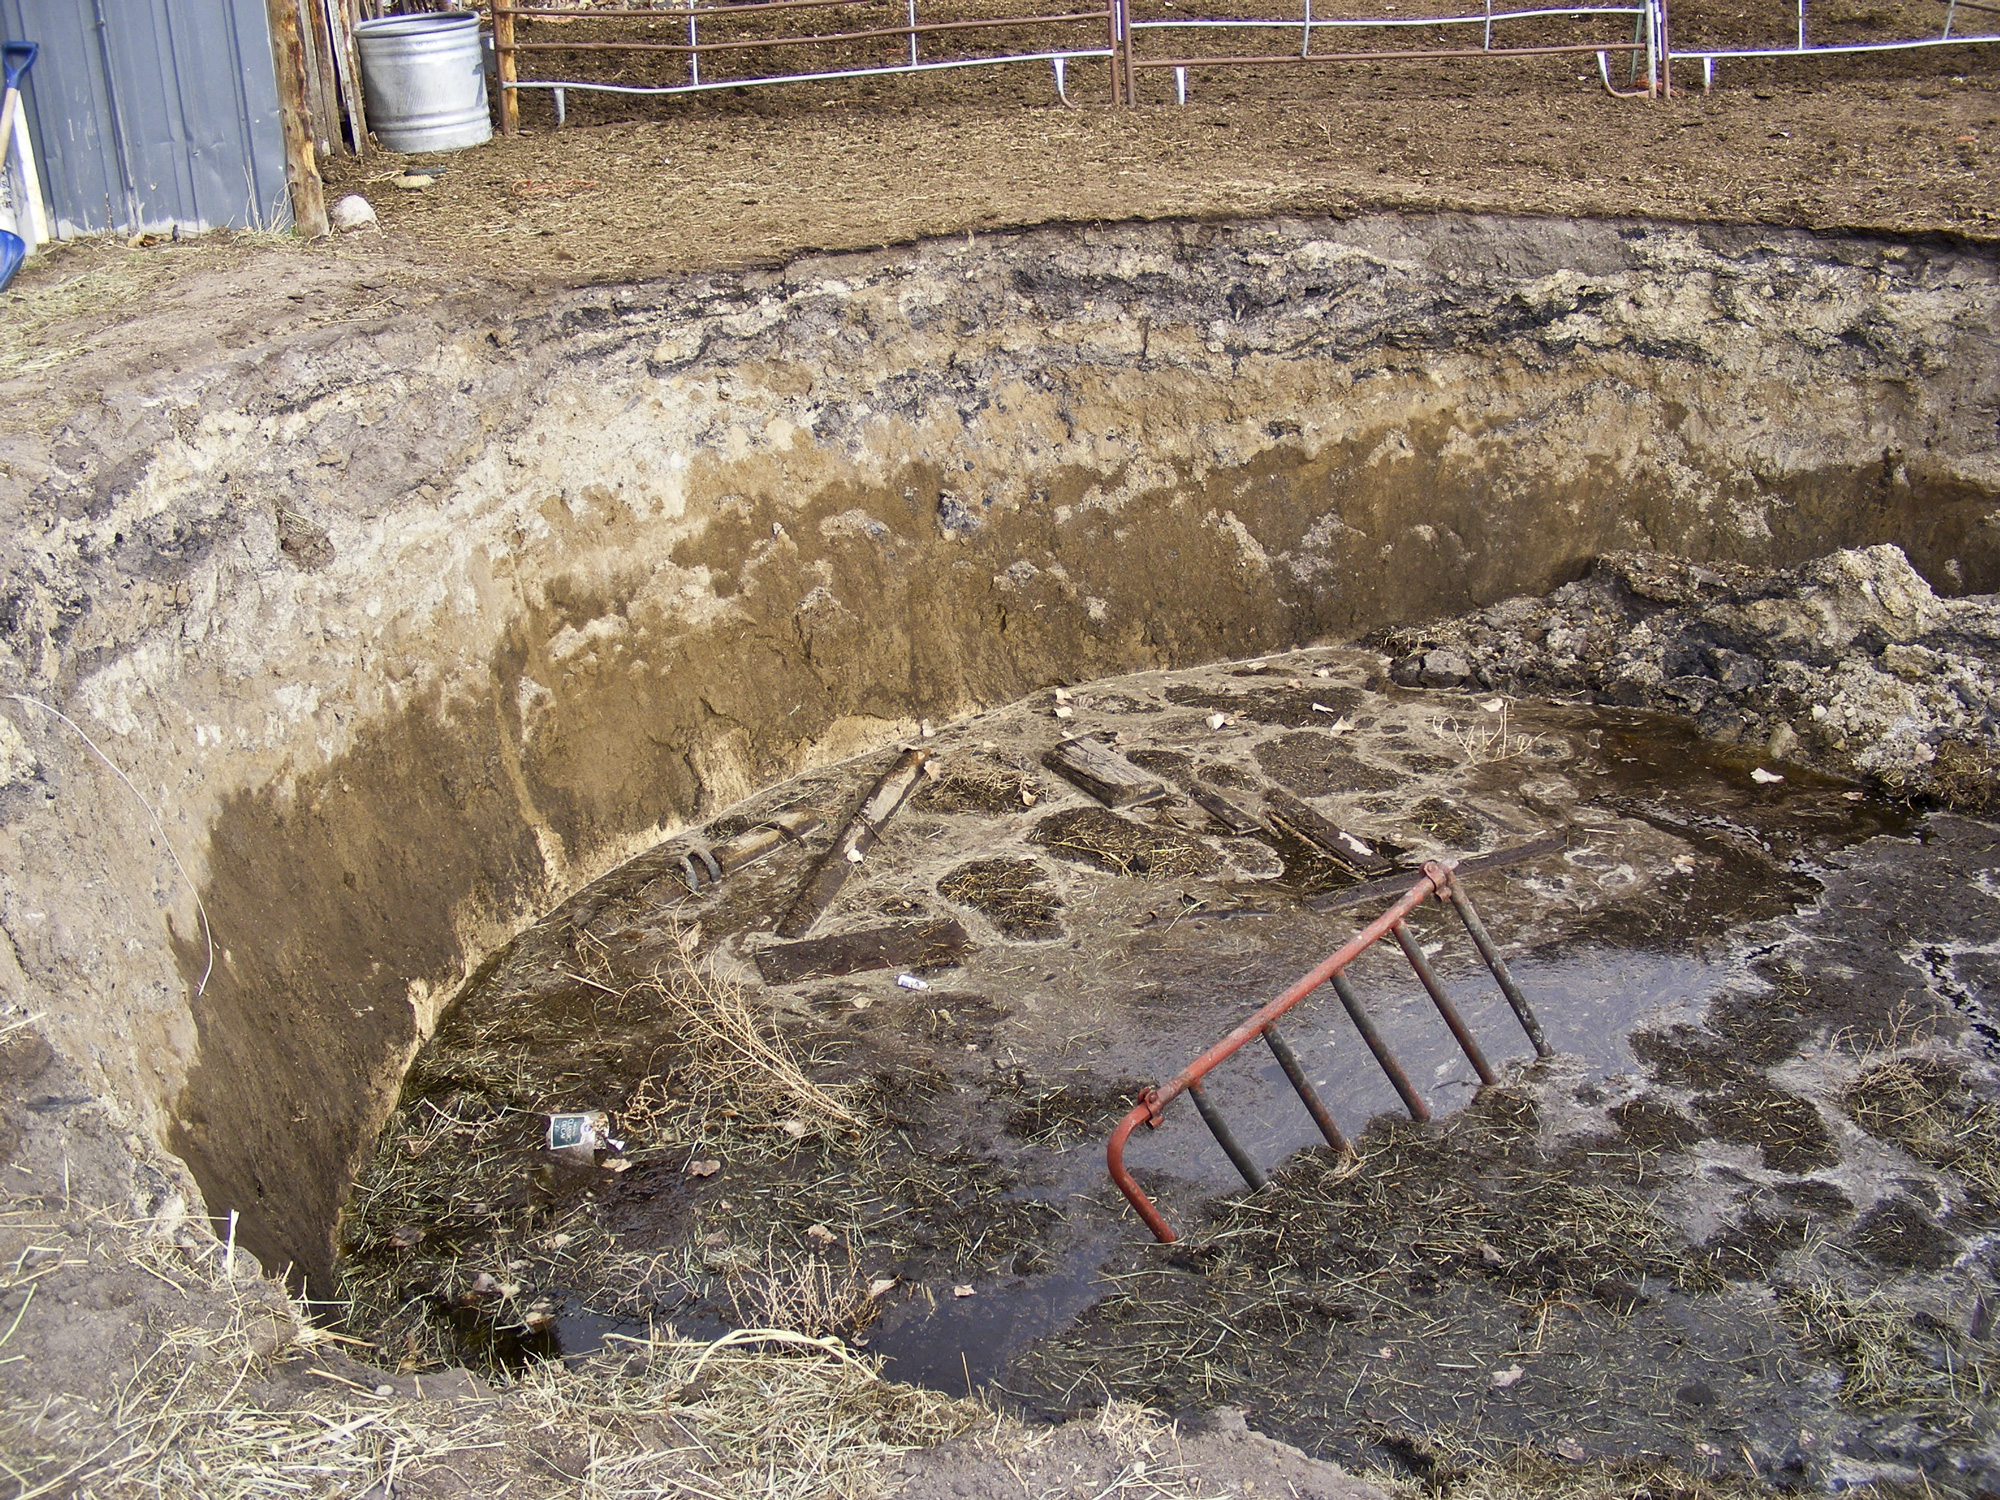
x=420 y=632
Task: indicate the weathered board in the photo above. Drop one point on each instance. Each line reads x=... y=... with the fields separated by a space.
x=1325 y=834
x=1103 y=772
x=902 y=945
x=861 y=834
x=1395 y=885
x=1230 y=814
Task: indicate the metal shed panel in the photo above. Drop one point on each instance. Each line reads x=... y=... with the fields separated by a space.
x=154 y=114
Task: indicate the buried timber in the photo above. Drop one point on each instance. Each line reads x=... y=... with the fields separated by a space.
x=1737 y=1222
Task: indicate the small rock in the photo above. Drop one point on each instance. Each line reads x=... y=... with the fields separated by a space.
x=703 y=1168
x=1570 y=1449
x=1443 y=669
x=352 y=213
x=1501 y=1379
x=1765 y=778
x=963 y=1291
x=820 y=1234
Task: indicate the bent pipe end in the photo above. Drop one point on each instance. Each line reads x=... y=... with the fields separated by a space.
x=1114 y=1158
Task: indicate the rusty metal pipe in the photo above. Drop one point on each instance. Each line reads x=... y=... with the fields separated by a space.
x=1476 y=930
x=1302 y=1086
x=1435 y=878
x=1114 y=1154
x=1348 y=951
x=1442 y=1001
x=1226 y=1138
x=1365 y=1024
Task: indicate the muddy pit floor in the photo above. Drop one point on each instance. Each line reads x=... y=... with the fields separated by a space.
x=1724 y=1225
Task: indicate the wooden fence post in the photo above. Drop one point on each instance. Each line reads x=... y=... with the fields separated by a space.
x=509 y=70
x=302 y=177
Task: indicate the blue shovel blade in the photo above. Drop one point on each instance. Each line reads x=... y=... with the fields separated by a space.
x=13 y=250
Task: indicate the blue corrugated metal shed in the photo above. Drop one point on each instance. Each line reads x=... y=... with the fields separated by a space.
x=153 y=114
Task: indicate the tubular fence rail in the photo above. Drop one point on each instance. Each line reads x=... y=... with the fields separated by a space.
x=725 y=46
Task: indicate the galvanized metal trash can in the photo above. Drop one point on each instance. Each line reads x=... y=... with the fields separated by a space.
x=424 y=80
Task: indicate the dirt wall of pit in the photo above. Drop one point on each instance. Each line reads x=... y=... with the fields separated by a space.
x=410 y=627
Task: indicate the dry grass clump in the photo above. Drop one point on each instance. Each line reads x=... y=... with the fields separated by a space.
x=806 y=1293
x=1450 y=1471
x=1104 y=839
x=1887 y=1351
x=1068 y=1114
x=464 y=1235
x=1966 y=776
x=972 y=783
x=755 y=1413
x=1013 y=894
x=1923 y=1105
x=234 y=1402
x=736 y=1058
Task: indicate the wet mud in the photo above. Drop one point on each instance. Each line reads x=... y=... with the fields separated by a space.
x=1714 y=1227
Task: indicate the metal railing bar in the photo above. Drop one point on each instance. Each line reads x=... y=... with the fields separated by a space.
x=1438 y=879
x=1323 y=25
x=1442 y=1001
x=823 y=38
x=679 y=12
x=1393 y=1070
x=1710 y=54
x=1403 y=56
x=747 y=82
x=1434 y=879
x=1476 y=929
x=1225 y=1138
x=1302 y=1086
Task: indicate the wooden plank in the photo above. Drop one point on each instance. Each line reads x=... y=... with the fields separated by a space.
x=1231 y=815
x=1103 y=772
x=1324 y=834
x=862 y=833
x=347 y=72
x=1395 y=885
x=322 y=94
x=509 y=65
x=308 y=191
x=901 y=945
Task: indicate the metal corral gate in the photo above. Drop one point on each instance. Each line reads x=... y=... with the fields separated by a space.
x=1799 y=46
x=718 y=51
x=1439 y=880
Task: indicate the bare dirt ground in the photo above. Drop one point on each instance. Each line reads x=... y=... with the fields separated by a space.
x=641 y=188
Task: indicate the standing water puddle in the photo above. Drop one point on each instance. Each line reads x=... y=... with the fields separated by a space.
x=933 y=1185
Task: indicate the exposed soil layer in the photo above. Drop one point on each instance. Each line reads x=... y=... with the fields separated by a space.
x=425 y=621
